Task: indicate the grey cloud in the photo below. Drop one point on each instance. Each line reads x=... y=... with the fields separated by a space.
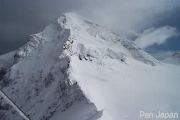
x=20 y=18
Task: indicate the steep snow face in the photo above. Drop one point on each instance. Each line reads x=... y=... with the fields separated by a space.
x=39 y=81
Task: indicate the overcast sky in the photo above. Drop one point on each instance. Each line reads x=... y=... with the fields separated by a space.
x=142 y=19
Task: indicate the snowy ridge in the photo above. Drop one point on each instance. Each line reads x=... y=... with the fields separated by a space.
x=21 y=113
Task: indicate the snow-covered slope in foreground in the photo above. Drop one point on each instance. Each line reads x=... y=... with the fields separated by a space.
x=74 y=66
x=122 y=90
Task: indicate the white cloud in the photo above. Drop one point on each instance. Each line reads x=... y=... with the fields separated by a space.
x=155 y=36
x=124 y=16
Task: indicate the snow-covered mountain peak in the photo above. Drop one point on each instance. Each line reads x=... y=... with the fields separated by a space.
x=84 y=37
x=68 y=66
x=92 y=40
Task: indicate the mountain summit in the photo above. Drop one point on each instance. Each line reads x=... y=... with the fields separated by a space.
x=78 y=70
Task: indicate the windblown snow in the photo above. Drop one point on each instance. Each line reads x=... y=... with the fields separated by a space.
x=78 y=70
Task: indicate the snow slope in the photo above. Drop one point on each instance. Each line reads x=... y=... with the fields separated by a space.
x=4 y=107
x=20 y=112
x=78 y=70
x=122 y=91
x=116 y=75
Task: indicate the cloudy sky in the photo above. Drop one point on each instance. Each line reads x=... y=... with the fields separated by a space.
x=153 y=24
